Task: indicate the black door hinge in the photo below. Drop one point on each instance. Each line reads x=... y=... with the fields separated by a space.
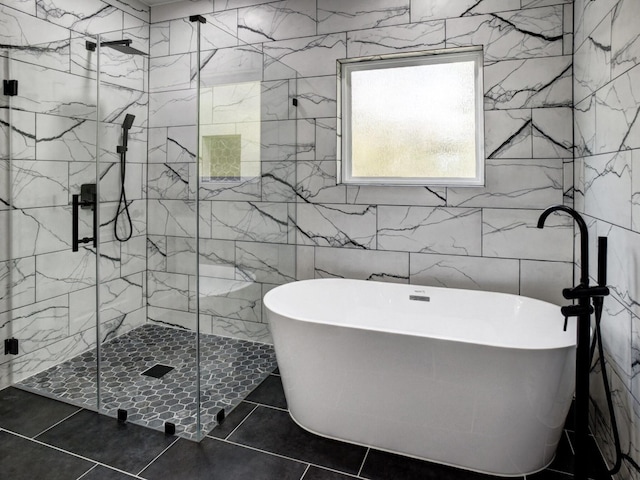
x=11 y=346
x=10 y=87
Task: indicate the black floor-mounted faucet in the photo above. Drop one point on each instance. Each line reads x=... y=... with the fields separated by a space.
x=583 y=310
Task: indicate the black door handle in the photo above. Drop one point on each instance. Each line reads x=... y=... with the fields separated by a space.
x=76 y=203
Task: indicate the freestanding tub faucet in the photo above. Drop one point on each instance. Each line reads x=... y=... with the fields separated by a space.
x=583 y=310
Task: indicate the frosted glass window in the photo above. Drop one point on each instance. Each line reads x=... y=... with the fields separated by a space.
x=414 y=119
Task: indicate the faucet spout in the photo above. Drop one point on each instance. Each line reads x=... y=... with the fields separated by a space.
x=584 y=237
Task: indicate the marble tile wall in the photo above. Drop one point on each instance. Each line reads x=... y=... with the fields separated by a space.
x=47 y=292
x=606 y=98
x=481 y=238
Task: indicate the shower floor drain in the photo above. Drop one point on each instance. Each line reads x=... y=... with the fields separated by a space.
x=157 y=371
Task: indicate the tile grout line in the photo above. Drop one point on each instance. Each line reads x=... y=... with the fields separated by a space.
x=158 y=456
x=73 y=454
x=305 y=471
x=237 y=426
x=366 y=454
x=58 y=423
x=257 y=404
x=87 y=472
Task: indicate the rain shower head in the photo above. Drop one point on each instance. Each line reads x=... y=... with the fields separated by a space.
x=128 y=121
x=122 y=46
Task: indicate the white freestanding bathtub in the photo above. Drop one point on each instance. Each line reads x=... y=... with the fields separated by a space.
x=473 y=379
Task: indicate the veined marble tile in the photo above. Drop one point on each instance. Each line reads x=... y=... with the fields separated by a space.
x=40 y=324
x=542 y=3
x=279 y=181
x=528 y=183
x=132 y=7
x=588 y=15
x=592 y=62
x=229 y=4
x=568 y=187
x=533 y=82
x=616 y=327
x=53 y=55
x=535 y=32
x=217 y=257
x=316 y=97
x=277 y=21
x=17 y=28
x=584 y=126
x=552 y=132
x=248 y=189
x=316 y=182
x=508 y=134
x=89 y=16
x=513 y=234
x=17 y=283
x=218 y=32
x=305 y=144
x=157 y=145
x=134 y=256
x=123 y=100
x=250 y=221
x=171 y=109
x=23 y=135
x=275 y=100
x=350 y=226
x=265 y=263
x=63 y=138
x=234 y=103
x=26 y=6
x=607 y=185
x=326 y=139
x=635 y=191
x=168 y=290
x=39 y=183
x=170 y=11
x=395 y=39
x=471 y=273
x=625 y=38
x=168 y=181
x=623 y=257
x=228 y=65
x=252 y=331
x=545 y=280
x=42 y=230
x=430 y=229
x=157 y=252
x=338 y=16
x=278 y=140
x=124 y=323
x=390 y=195
x=309 y=56
x=181 y=144
x=617 y=125
x=422 y=10
x=305 y=262
x=232 y=299
x=177 y=319
x=63 y=272
x=178 y=218
x=159 y=39
x=361 y=264
x=170 y=73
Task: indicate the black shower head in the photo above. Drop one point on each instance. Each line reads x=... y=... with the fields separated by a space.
x=128 y=121
x=122 y=46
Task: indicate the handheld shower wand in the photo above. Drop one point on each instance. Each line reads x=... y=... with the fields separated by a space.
x=123 y=206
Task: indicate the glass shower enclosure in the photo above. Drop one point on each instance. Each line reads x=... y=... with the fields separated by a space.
x=144 y=222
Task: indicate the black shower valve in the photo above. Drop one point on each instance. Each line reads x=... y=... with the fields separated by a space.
x=584 y=291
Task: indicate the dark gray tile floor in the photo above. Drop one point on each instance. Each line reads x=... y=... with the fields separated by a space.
x=45 y=439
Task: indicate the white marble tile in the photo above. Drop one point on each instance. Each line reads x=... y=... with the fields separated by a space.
x=279 y=181
x=316 y=182
x=430 y=230
x=393 y=195
x=23 y=130
x=250 y=221
x=278 y=140
x=533 y=82
x=277 y=21
x=623 y=258
x=228 y=65
x=42 y=230
x=157 y=145
x=177 y=319
x=218 y=32
x=168 y=181
x=305 y=262
x=38 y=183
x=170 y=109
x=228 y=299
x=134 y=256
x=89 y=16
x=339 y=16
x=217 y=257
x=607 y=187
x=396 y=39
x=265 y=263
x=168 y=290
x=132 y=7
x=528 y=183
x=170 y=73
x=362 y=264
x=326 y=139
x=316 y=97
x=584 y=126
x=157 y=253
x=53 y=55
x=17 y=283
x=309 y=56
x=177 y=217
x=527 y=33
x=617 y=125
x=568 y=187
x=616 y=328
x=422 y=10
x=513 y=234
x=170 y=11
x=275 y=100
x=552 y=132
x=588 y=15
x=26 y=6
x=252 y=331
x=471 y=273
x=350 y=226
x=181 y=144
x=592 y=62
x=305 y=141
x=635 y=191
x=508 y=134
x=62 y=272
x=625 y=38
x=159 y=39
x=545 y=280
x=17 y=28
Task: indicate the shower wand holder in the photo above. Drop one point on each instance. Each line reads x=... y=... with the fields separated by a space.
x=86 y=199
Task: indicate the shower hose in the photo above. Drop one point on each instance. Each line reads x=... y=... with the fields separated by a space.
x=597 y=340
x=123 y=206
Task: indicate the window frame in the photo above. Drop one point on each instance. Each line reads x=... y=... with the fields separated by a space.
x=430 y=57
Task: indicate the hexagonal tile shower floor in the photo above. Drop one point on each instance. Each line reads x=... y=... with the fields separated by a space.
x=230 y=370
